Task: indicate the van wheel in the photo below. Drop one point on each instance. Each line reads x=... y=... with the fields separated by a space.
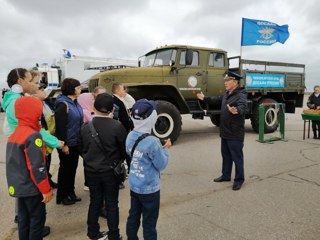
x=169 y=122
x=271 y=118
x=215 y=119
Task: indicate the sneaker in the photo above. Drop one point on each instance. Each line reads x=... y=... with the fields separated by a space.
x=45 y=231
x=86 y=188
x=99 y=236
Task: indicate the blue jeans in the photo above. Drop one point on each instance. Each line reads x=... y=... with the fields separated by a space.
x=106 y=189
x=147 y=205
x=32 y=216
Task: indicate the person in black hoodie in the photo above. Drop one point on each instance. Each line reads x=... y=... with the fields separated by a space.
x=314 y=103
x=232 y=119
x=97 y=161
x=122 y=114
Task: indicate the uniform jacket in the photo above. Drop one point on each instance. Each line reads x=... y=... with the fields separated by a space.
x=69 y=118
x=231 y=125
x=112 y=136
x=9 y=100
x=25 y=155
x=313 y=101
x=149 y=159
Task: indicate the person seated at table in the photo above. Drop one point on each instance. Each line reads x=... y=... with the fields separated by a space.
x=314 y=103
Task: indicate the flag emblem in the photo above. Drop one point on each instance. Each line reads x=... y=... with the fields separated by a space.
x=260 y=32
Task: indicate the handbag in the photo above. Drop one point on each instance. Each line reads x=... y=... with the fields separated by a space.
x=119 y=168
x=119 y=171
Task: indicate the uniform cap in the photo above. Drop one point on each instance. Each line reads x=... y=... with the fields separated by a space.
x=232 y=76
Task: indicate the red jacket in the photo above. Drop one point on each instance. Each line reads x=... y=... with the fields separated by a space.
x=25 y=155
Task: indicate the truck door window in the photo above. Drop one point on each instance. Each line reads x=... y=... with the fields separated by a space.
x=216 y=60
x=195 y=60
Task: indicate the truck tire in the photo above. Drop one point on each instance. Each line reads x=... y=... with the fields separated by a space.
x=215 y=119
x=271 y=119
x=169 y=122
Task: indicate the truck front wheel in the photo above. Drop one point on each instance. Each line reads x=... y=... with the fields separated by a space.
x=169 y=122
x=271 y=120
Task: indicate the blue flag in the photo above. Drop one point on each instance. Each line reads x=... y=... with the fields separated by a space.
x=66 y=54
x=259 y=32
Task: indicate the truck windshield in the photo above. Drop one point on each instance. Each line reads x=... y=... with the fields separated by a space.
x=160 y=58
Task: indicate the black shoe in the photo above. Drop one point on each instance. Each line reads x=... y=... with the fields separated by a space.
x=220 y=179
x=236 y=186
x=16 y=220
x=65 y=201
x=53 y=184
x=45 y=231
x=99 y=236
x=74 y=197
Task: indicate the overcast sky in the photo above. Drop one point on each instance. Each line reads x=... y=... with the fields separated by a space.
x=36 y=31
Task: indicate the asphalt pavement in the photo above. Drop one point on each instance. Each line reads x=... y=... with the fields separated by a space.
x=279 y=199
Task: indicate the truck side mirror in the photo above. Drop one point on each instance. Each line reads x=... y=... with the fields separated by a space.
x=172 y=65
x=189 y=56
x=139 y=63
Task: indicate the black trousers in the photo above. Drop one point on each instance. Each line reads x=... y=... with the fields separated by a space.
x=32 y=216
x=232 y=152
x=103 y=189
x=315 y=126
x=48 y=164
x=67 y=172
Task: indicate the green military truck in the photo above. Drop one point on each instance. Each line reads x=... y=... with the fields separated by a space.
x=173 y=74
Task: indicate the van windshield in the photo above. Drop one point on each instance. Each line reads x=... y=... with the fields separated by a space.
x=160 y=58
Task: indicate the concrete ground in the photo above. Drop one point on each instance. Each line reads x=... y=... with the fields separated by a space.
x=279 y=200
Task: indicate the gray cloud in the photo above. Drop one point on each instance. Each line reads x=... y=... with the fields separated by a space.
x=36 y=31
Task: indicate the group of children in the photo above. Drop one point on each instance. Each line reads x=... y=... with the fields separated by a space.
x=29 y=146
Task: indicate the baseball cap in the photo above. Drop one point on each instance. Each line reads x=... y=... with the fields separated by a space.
x=104 y=103
x=143 y=108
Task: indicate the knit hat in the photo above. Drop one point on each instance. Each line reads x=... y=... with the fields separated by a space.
x=104 y=103
x=142 y=109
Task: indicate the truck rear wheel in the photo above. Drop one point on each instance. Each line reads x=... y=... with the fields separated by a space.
x=215 y=119
x=169 y=122
x=271 y=120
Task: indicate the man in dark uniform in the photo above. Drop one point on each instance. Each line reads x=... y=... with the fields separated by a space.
x=232 y=118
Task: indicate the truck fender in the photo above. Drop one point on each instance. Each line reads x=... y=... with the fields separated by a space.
x=167 y=93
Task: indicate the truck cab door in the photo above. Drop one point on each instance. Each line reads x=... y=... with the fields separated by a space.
x=190 y=74
x=216 y=68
